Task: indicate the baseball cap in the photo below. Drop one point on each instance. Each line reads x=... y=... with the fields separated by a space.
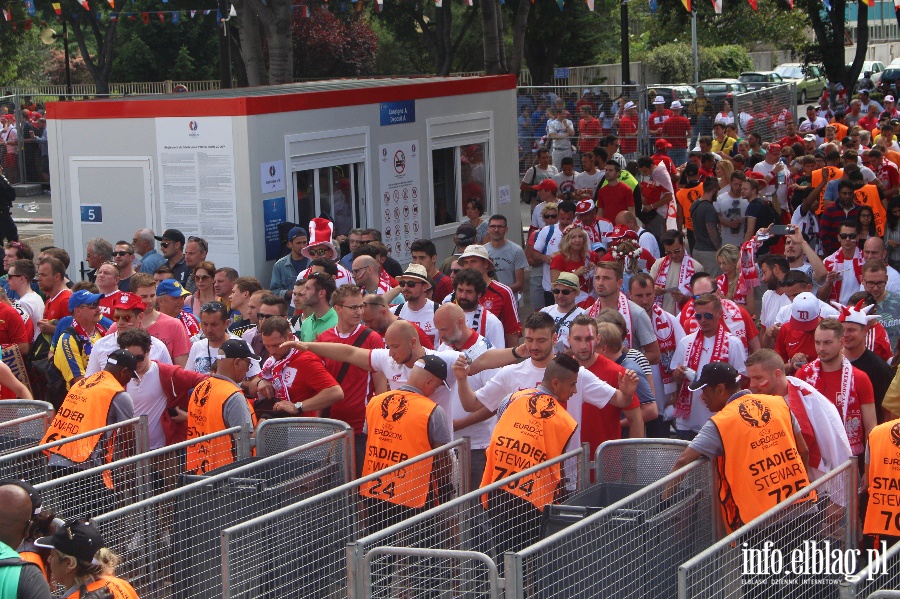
x=78 y=538
x=756 y=175
x=297 y=232
x=123 y=359
x=171 y=235
x=863 y=91
x=172 y=288
x=416 y=272
x=662 y=143
x=465 y=234
x=83 y=298
x=805 y=312
x=675 y=104
x=584 y=206
x=236 y=348
x=621 y=231
x=476 y=251
x=715 y=373
x=809 y=137
x=33 y=493
x=889 y=98
x=568 y=279
x=129 y=301
x=434 y=365
x=629 y=105
x=546 y=185
x=774 y=148
x=658 y=100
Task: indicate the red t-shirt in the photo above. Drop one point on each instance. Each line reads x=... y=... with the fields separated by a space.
x=790 y=341
x=628 y=129
x=58 y=306
x=108 y=303
x=443 y=286
x=306 y=376
x=561 y=263
x=357 y=384
x=599 y=425
x=829 y=385
x=888 y=174
x=676 y=130
x=613 y=199
x=501 y=301
x=788 y=141
x=12 y=327
x=868 y=123
x=589 y=132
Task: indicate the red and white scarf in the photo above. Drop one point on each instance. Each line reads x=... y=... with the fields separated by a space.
x=731 y=318
x=694 y=353
x=740 y=290
x=684 y=276
x=273 y=371
x=665 y=336
x=835 y=263
x=624 y=309
x=748 y=270
x=847 y=402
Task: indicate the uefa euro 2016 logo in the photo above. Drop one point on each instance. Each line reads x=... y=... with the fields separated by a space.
x=192 y=125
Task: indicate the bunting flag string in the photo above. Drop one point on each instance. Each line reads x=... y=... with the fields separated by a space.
x=687 y=5
x=717 y=6
x=753 y=4
x=590 y=4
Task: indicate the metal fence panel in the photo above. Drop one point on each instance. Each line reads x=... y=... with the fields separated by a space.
x=631 y=548
x=256 y=563
x=746 y=562
x=130 y=480
x=23 y=423
x=885 y=595
x=475 y=573
x=882 y=574
x=170 y=543
x=280 y=434
x=764 y=111
x=509 y=523
x=636 y=461
x=129 y=438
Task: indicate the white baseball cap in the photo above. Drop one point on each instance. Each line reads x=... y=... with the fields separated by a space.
x=805 y=312
x=889 y=98
x=629 y=105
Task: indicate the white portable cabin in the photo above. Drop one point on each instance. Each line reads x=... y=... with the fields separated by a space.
x=398 y=155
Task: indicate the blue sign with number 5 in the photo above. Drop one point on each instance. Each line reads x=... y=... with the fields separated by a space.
x=91 y=214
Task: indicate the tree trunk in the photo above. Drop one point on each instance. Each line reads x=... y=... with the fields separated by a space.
x=862 y=44
x=275 y=17
x=443 y=49
x=251 y=45
x=518 y=49
x=491 y=40
x=540 y=60
x=99 y=65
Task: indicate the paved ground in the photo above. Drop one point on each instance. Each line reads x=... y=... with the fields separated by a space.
x=37 y=235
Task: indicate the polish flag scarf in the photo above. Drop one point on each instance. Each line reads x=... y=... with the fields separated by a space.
x=665 y=337
x=844 y=400
x=836 y=262
x=694 y=352
x=684 y=276
x=273 y=370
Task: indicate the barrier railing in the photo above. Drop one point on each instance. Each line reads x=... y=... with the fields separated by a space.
x=170 y=544
x=310 y=561
x=23 y=424
x=506 y=523
x=885 y=595
x=128 y=481
x=280 y=434
x=880 y=575
x=757 y=559
x=763 y=111
x=631 y=548
x=636 y=461
x=39 y=464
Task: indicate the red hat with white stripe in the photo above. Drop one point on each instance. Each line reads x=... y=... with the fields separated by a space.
x=320 y=233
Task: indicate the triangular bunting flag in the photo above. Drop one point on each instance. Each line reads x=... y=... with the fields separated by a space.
x=85 y=4
x=112 y=4
x=27 y=24
x=305 y=12
x=590 y=4
x=5 y=15
x=114 y=18
x=753 y=4
x=717 y=6
x=560 y=3
x=176 y=17
x=206 y=12
x=29 y=6
x=870 y=3
x=15 y=26
x=653 y=6
x=687 y=5
x=193 y=12
x=162 y=17
x=438 y=3
x=98 y=16
x=57 y=9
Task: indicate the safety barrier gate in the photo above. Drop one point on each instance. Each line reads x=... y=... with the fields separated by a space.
x=746 y=563
x=23 y=423
x=170 y=544
x=879 y=576
x=300 y=550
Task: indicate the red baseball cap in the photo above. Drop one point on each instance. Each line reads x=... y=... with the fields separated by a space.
x=662 y=144
x=774 y=148
x=130 y=301
x=621 y=231
x=756 y=175
x=547 y=184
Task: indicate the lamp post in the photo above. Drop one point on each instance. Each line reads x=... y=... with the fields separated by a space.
x=48 y=36
x=626 y=57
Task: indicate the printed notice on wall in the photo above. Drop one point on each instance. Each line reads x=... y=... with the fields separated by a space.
x=401 y=195
x=196 y=181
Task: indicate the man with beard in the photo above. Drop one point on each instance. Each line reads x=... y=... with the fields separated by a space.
x=414 y=284
x=468 y=289
x=772 y=271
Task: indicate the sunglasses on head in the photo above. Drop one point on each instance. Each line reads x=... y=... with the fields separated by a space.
x=563 y=291
x=212 y=307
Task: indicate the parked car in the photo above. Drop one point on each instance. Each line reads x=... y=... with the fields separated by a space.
x=760 y=79
x=809 y=79
x=889 y=81
x=720 y=89
x=876 y=67
x=683 y=93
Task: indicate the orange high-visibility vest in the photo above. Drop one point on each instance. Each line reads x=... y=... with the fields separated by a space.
x=762 y=465
x=205 y=417
x=686 y=197
x=85 y=408
x=36 y=559
x=118 y=587
x=533 y=429
x=398 y=431
x=831 y=172
x=883 y=471
x=867 y=195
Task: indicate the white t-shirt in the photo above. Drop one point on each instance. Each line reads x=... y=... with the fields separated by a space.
x=562 y=343
x=201 y=358
x=766 y=169
x=493 y=327
x=736 y=357
x=772 y=302
x=534 y=175
x=150 y=400
x=547 y=243
x=648 y=242
x=479 y=433
x=107 y=345
x=730 y=208
x=397 y=375
x=585 y=180
x=526 y=375
x=566 y=182
x=31 y=302
x=423 y=317
x=825 y=311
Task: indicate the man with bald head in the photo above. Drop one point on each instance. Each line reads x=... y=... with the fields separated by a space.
x=395 y=362
x=874 y=249
x=18 y=579
x=367 y=274
x=646 y=239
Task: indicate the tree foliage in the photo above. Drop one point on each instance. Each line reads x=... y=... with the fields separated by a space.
x=830 y=32
x=675 y=62
x=327 y=46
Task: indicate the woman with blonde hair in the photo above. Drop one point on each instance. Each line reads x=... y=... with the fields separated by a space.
x=575 y=257
x=731 y=284
x=80 y=562
x=724 y=169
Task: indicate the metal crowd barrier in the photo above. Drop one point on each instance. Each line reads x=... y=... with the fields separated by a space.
x=474 y=536
x=170 y=544
x=23 y=423
x=130 y=438
x=277 y=435
x=631 y=548
x=310 y=560
x=746 y=563
x=885 y=595
x=636 y=461
x=128 y=481
x=876 y=577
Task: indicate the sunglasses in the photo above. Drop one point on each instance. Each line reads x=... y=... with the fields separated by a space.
x=701 y=315
x=165 y=244
x=120 y=253
x=123 y=317
x=202 y=277
x=554 y=215
x=91 y=306
x=847 y=235
x=563 y=291
x=139 y=357
x=318 y=251
x=408 y=283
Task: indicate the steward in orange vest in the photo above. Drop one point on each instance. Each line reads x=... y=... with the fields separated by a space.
x=83 y=562
x=532 y=427
x=828 y=173
x=216 y=404
x=755 y=442
x=402 y=424
x=869 y=195
x=882 y=521
x=93 y=402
